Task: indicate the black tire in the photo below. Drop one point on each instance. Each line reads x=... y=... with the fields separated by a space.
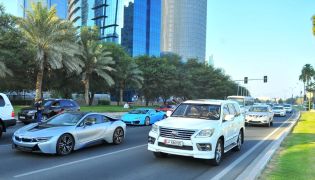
x=271 y=123
x=219 y=151
x=160 y=154
x=268 y=124
x=147 y=121
x=118 y=136
x=239 y=141
x=65 y=144
x=1 y=130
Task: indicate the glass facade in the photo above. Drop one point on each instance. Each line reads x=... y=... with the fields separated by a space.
x=61 y=6
x=184 y=28
x=146 y=27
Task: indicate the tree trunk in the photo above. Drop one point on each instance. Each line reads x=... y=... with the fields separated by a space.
x=121 y=95
x=86 y=83
x=39 y=83
x=91 y=97
x=146 y=102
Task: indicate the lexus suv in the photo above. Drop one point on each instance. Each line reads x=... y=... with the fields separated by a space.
x=204 y=129
x=51 y=107
x=6 y=114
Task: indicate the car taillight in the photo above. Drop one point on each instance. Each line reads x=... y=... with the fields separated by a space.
x=12 y=114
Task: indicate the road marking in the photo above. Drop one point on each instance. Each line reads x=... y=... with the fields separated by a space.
x=76 y=162
x=241 y=158
x=4 y=145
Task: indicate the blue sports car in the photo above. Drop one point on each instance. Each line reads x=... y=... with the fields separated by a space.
x=143 y=116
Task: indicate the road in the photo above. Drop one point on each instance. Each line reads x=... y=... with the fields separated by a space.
x=131 y=160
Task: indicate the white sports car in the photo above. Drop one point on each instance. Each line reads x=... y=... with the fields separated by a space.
x=69 y=131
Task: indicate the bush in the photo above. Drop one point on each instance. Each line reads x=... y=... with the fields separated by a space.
x=103 y=102
x=21 y=102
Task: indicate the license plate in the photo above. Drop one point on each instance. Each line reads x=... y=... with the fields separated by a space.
x=22 y=117
x=173 y=142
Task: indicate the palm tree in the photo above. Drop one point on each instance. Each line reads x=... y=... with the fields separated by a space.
x=4 y=20
x=4 y=71
x=307 y=75
x=96 y=60
x=128 y=73
x=53 y=40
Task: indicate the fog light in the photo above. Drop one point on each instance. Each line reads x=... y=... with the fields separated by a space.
x=151 y=140
x=204 y=147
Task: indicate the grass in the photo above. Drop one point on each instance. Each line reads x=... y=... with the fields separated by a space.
x=103 y=108
x=295 y=159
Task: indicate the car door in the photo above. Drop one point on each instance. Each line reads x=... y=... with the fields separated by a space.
x=234 y=123
x=90 y=129
x=153 y=115
x=5 y=108
x=226 y=126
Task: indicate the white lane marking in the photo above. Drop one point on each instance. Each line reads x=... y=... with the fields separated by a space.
x=241 y=158
x=76 y=162
x=4 y=145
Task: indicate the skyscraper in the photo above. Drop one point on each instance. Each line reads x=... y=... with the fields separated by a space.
x=142 y=27
x=106 y=14
x=184 y=28
x=61 y=6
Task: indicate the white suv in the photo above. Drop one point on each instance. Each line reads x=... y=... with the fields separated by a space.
x=204 y=129
x=6 y=113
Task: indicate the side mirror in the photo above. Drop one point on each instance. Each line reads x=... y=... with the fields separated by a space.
x=228 y=117
x=168 y=113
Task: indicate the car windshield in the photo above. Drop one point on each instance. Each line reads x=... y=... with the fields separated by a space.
x=240 y=101
x=258 y=109
x=65 y=119
x=202 y=111
x=138 y=111
x=277 y=108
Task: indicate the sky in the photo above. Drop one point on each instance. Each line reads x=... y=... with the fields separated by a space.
x=254 y=38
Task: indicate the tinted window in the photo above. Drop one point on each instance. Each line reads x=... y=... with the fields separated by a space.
x=2 y=103
x=202 y=111
x=65 y=119
x=258 y=109
x=65 y=103
x=55 y=104
x=226 y=110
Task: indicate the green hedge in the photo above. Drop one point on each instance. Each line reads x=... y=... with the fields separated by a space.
x=22 y=102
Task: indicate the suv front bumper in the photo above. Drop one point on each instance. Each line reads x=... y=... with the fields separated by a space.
x=189 y=147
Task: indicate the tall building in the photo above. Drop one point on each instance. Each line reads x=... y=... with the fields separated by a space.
x=61 y=6
x=184 y=28
x=142 y=28
x=106 y=14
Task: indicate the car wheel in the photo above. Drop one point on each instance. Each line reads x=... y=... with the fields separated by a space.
x=65 y=144
x=118 y=136
x=218 y=153
x=147 y=121
x=1 y=130
x=268 y=124
x=271 y=123
x=160 y=154
x=239 y=142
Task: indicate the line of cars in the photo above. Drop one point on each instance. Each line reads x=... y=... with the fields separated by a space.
x=204 y=129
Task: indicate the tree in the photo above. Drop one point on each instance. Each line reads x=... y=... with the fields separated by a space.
x=96 y=58
x=53 y=40
x=307 y=74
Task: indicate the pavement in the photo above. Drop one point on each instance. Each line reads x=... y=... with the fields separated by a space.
x=131 y=160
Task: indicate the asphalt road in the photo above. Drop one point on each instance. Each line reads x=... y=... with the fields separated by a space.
x=131 y=160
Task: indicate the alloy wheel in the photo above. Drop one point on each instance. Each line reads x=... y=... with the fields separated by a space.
x=118 y=136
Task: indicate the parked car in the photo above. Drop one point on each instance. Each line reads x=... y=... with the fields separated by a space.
x=260 y=114
x=51 y=107
x=69 y=131
x=288 y=108
x=204 y=129
x=166 y=108
x=143 y=116
x=279 y=111
x=6 y=114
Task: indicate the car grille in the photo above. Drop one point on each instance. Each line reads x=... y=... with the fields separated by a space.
x=176 y=133
x=23 y=139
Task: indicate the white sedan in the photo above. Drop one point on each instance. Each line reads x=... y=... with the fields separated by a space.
x=279 y=111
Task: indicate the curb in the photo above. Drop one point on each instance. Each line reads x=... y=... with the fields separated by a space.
x=254 y=169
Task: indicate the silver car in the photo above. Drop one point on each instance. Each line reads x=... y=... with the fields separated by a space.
x=69 y=131
x=259 y=114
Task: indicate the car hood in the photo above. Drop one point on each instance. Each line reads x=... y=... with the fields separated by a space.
x=257 y=113
x=40 y=130
x=132 y=116
x=188 y=123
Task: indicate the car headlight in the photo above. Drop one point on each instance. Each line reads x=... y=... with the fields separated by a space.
x=155 y=128
x=205 y=133
x=42 y=139
x=31 y=112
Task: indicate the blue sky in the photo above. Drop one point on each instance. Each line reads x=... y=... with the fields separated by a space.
x=254 y=38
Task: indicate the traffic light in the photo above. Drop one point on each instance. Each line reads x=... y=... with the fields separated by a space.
x=245 y=80
x=265 y=79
